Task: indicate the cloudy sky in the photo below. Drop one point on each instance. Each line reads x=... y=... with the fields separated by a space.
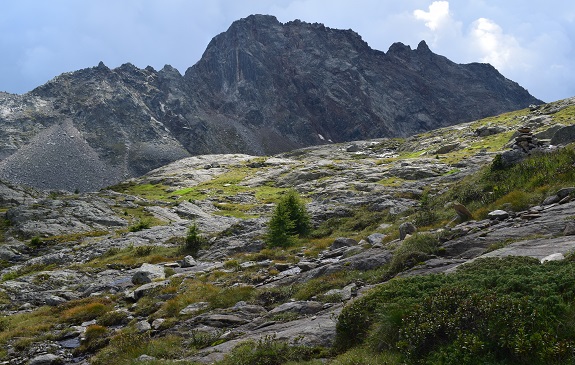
x=530 y=42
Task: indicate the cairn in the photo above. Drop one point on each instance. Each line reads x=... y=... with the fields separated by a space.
x=525 y=141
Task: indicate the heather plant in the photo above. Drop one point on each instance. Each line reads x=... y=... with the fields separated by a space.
x=511 y=310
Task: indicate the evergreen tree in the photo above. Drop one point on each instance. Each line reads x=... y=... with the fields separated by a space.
x=290 y=219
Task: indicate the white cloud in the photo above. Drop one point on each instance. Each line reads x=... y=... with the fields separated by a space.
x=437 y=15
x=494 y=46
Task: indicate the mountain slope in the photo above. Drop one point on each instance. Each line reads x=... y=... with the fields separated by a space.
x=107 y=277
x=261 y=87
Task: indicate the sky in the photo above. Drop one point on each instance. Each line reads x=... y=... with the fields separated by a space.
x=528 y=41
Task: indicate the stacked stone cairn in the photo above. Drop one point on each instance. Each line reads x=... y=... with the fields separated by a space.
x=522 y=147
x=525 y=141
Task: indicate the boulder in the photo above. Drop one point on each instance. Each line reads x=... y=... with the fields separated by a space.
x=551 y=200
x=46 y=359
x=342 y=242
x=405 y=229
x=446 y=148
x=548 y=133
x=143 y=326
x=375 y=238
x=187 y=261
x=565 y=192
x=488 y=131
x=148 y=273
x=564 y=135
x=553 y=257
x=146 y=289
x=498 y=215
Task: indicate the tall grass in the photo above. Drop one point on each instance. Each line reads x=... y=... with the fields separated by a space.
x=513 y=188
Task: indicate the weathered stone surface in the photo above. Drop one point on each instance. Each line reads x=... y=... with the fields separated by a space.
x=375 y=238
x=194 y=308
x=564 y=135
x=498 y=214
x=187 y=261
x=143 y=326
x=147 y=288
x=405 y=229
x=46 y=359
x=342 y=242
x=300 y=307
x=488 y=131
x=553 y=257
x=148 y=273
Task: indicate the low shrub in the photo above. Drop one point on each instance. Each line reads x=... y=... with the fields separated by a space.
x=140 y=225
x=493 y=311
x=126 y=346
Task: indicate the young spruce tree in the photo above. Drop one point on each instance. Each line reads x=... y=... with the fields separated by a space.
x=290 y=219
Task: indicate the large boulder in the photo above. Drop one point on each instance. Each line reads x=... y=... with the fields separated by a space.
x=564 y=135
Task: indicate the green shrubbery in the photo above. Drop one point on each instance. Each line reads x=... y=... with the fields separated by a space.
x=289 y=220
x=194 y=241
x=513 y=188
x=510 y=310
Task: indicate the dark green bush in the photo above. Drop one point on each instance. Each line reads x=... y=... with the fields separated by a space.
x=510 y=310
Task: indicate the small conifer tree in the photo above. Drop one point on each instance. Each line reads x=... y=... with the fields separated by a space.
x=194 y=240
x=290 y=219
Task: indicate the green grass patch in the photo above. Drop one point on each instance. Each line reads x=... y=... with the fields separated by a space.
x=126 y=346
x=28 y=325
x=134 y=256
x=565 y=116
x=269 y=350
x=515 y=188
x=26 y=270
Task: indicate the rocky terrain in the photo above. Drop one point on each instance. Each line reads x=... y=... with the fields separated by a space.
x=261 y=88
x=83 y=272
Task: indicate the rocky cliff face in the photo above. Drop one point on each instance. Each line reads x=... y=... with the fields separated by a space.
x=261 y=87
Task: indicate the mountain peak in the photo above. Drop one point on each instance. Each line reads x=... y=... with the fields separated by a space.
x=422 y=47
x=262 y=87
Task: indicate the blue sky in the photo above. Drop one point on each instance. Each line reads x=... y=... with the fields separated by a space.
x=530 y=42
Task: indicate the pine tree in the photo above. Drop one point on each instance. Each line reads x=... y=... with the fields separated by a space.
x=290 y=219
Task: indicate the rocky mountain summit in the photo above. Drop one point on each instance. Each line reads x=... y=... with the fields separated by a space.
x=261 y=87
x=108 y=276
